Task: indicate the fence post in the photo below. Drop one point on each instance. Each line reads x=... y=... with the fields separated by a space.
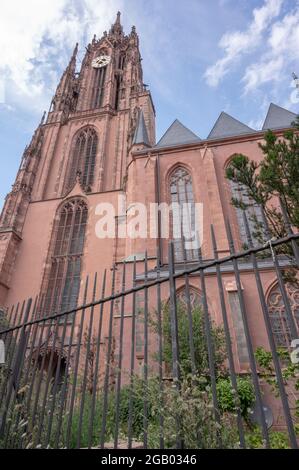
x=173 y=316
x=232 y=371
x=174 y=335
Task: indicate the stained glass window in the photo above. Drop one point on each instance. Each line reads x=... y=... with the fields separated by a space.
x=253 y=213
x=83 y=159
x=66 y=260
x=183 y=221
x=278 y=316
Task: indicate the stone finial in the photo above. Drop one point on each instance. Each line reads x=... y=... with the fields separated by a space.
x=116 y=28
x=43 y=118
x=76 y=50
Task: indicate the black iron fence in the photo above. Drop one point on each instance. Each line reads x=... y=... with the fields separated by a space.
x=183 y=355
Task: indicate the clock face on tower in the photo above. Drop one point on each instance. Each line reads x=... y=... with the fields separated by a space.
x=101 y=61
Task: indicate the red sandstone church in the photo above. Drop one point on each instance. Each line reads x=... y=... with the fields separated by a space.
x=98 y=143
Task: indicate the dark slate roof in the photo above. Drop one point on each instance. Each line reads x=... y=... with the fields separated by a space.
x=141 y=135
x=278 y=118
x=177 y=134
x=227 y=126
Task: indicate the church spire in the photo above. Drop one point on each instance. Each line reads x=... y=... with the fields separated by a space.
x=71 y=68
x=116 y=28
x=64 y=96
x=141 y=134
x=118 y=18
x=72 y=64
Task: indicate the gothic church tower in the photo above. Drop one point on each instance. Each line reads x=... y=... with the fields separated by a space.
x=78 y=154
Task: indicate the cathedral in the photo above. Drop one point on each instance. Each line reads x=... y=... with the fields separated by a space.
x=97 y=145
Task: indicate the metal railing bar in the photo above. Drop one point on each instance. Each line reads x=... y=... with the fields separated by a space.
x=210 y=350
x=97 y=363
x=174 y=338
x=120 y=358
x=87 y=352
x=160 y=360
x=63 y=397
x=108 y=359
x=57 y=374
x=132 y=367
x=228 y=342
x=145 y=359
x=77 y=359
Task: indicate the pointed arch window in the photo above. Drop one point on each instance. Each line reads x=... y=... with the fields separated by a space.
x=279 y=320
x=83 y=159
x=253 y=213
x=183 y=215
x=98 y=89
x=194 y=297
x=63 y=284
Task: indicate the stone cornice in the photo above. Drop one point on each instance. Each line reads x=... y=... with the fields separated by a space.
x=256 y=136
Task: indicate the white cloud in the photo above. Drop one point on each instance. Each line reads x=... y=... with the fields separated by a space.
x=36 y=38
x=267 y=70
x=237 y=43
x=280 y=55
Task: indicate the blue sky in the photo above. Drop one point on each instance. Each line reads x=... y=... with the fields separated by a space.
x=199 y=58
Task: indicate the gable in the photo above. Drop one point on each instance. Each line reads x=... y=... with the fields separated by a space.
x=177 y=134
x=227 y=126
x=278 y=118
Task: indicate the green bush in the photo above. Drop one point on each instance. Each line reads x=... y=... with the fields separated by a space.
x=229 y=401
x=278 y=439
x=199 y=340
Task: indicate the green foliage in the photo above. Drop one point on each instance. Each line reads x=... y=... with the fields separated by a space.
x=227 y=399
x=290 y=374
x=199 y=341
x=188 y=414
x=276 y=176
x=190 y=406
x=278 y=439
x=264 y=358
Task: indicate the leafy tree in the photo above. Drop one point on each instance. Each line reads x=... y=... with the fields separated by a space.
x=199 y=341
x=275 y=178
